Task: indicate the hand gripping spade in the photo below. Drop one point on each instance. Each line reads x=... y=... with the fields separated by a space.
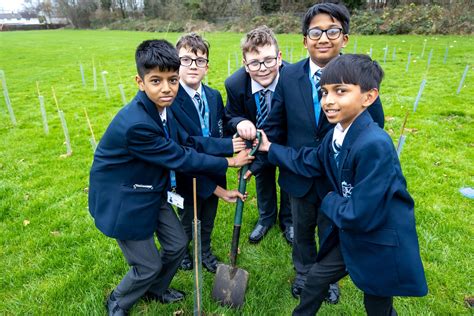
x=230 y=283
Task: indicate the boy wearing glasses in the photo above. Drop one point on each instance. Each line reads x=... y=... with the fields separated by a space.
x=199 y=110
x=296 y=121
x=249 y=95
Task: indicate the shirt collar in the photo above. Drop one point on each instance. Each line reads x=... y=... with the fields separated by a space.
x=256 y=87
x=190 y=91
x=339 y=134
x=313 y=67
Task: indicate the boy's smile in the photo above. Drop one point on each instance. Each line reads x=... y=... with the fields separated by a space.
x=161 y=87
x=342 y=103
x=192 y=75
x=323 y=50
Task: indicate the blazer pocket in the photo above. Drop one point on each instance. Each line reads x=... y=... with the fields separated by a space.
x=383 y=237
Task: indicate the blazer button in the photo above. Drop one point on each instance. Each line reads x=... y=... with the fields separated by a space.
x=316 y=138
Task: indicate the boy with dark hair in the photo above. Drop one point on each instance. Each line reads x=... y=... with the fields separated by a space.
x=130 y=177
x=249 y=94
x=372 y=236
x=296 y=121
x=199 y=110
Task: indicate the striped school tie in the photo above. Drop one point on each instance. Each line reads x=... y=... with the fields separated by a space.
x=264 y=98
x=200 y=103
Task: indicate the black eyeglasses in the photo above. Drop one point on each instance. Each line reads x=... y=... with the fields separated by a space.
x=332 y=33
x=255 y=65
x=186 y=61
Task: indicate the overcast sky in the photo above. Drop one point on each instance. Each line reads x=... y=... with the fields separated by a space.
x=11 y=5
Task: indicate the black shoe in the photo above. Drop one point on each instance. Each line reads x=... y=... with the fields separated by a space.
x=209 y=262
x=258 y=233
x=289 y=234
x=112 y=307
x=169 y=296
x=187 y=263
x=298 y=285
x=333 y=294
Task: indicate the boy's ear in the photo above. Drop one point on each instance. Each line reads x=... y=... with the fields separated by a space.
x=279 y=59
x=140 y=83
x=370 y=97
x=304 y=42
x=345 y=40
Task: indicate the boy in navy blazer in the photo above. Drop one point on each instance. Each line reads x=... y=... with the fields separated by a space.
x=249 y=94
x=372 y=235
x=296 y=121
x=130 y=177
x=199 y=110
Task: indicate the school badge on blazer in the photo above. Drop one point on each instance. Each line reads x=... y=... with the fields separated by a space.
x=346 y=189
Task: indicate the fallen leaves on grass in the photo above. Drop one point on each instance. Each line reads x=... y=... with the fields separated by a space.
x=26 y=222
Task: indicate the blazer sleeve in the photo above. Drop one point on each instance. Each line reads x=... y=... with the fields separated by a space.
x=147 y=143
x=209 y=145
x=376 y=111
x=234 y=110
x=304 y=161
x=366 y=207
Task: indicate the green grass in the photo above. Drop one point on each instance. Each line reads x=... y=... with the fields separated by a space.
x=60 y=264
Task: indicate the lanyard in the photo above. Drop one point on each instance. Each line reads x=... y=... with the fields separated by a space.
x=172 y=173
x=204 y=121
x=316 y=104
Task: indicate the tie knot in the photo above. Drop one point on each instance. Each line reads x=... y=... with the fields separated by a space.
x=197 y=96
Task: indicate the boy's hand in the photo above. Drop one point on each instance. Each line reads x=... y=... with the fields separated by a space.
x=241 y=159
x=229 y=196
x=246 y=130
x=238 y=144
x=264 y=144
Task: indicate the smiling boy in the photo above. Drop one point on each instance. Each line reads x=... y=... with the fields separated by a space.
x=372 y=234
x=249 y=95
x=296 y=120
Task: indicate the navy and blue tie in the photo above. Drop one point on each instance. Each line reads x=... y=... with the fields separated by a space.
x=264 y=98
x=200 y=103
x=336 y=149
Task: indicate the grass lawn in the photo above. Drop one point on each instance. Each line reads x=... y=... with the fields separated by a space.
x=55 y=262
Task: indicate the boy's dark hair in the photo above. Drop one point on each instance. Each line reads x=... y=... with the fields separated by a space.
x=334 y=9
x=194 y=42
x=151 y=54
x=356 y=69
x=258 y=37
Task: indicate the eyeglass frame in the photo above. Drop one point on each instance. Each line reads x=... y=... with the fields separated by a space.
x=194 y=60
x=260 y=63
x=325 y=31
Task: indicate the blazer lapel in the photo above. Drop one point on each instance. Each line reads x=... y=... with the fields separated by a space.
x=250 y=100
x=150 y=108
x=356 y=128
x=170 y=122
x=306 y=92
x=211 y=103
x=184 y=101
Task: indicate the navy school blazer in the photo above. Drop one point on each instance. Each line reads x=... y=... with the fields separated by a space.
x=129 y=176
x=240 y=103
x=184 y=111
x=291 y=122
x=369 y=205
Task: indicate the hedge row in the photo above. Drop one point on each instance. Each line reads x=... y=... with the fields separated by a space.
x=406 y=19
